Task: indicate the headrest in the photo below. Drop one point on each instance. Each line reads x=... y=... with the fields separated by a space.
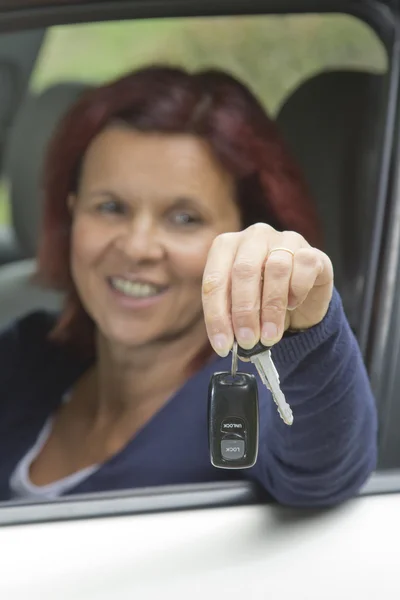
x=24 y=155
x=333 y=124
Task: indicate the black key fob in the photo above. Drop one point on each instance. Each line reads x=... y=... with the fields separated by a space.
x=233 y=420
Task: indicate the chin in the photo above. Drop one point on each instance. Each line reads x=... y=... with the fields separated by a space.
x=129 y=339
x=133 y=330
x=130 y=335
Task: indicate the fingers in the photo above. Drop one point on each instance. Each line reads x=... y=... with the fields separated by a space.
x=216 y=292
x=246 y=285
x=307 y=267
x=253 y=278
x=232 y=287
x=310 y=287
x=296 y=284
x=277 y=287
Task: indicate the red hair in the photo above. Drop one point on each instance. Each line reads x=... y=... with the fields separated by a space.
x=210 y=104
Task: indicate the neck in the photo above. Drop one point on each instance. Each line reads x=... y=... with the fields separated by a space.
x=144 y=377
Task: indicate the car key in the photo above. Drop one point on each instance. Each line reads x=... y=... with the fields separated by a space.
x=233 y=418
x=261 y=357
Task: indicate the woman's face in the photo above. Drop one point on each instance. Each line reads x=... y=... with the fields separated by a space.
x=147 y=210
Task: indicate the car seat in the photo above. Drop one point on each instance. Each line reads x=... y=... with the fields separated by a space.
x=23 y=160
x=333 y=123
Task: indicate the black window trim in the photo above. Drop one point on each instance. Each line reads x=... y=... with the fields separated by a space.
x=377 y=14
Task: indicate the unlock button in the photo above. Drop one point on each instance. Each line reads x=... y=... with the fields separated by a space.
x=232 y=449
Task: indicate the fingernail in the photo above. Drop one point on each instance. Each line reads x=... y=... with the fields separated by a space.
x=220 y=344
x=246 y=337
x=269 y=333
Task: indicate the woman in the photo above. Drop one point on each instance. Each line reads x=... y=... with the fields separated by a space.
x=175 y=220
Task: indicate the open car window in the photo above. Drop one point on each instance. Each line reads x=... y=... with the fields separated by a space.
x=298 y=70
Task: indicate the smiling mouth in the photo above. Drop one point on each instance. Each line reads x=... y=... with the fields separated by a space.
x=135 y=289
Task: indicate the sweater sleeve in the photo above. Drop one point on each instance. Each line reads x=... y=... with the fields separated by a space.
x=331 y=448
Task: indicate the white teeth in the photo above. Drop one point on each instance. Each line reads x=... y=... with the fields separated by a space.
x=134 y=288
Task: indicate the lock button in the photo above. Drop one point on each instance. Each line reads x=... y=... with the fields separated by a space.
x=232 y=449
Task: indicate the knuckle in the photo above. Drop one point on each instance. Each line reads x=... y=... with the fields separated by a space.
x=246 y=314
x=225 y=239
x=310 y=258
x=245 y=269
x=296 y=237
x=212 y=283
x=246 y=309
x=216 y=323
x=275 y=306
x=279 y=266
x=262 y=228
x=300 y=288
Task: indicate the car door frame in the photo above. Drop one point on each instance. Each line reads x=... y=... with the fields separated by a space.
x=377 y=345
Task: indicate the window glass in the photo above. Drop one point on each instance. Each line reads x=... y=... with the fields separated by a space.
x=273 y=55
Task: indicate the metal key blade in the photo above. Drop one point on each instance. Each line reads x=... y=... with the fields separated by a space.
x=270 y=377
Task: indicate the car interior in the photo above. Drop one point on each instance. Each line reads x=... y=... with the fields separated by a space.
x=332 y=122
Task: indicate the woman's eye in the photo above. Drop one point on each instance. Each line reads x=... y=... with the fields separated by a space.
x=183 y=218
x=111 y=207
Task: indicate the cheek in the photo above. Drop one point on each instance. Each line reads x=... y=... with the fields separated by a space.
x=86 y=245
x=189 y=254
x=189 y=259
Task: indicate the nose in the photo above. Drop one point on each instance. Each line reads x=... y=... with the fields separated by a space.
x=140 y=239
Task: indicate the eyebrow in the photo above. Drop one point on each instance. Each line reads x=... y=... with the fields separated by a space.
x=182 y=200
x=178 y=201
x=102 y=193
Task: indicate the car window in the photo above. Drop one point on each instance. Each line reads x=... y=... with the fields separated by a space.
x=273 y=55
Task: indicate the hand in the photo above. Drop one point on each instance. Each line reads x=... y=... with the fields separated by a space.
x=252 y=291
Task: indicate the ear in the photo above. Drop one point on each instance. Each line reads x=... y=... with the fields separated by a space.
x=71 y=202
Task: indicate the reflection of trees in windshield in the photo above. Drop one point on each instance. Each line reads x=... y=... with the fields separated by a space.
x=270 y=53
